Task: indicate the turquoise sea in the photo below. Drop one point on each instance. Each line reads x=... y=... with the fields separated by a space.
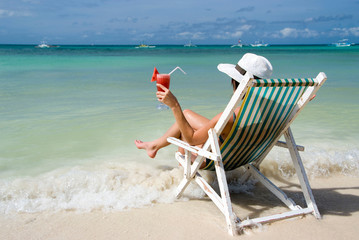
x=69 y=116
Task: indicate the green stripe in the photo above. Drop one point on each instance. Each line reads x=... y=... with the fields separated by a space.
x=237 y=123
x=304 y=82
x=280 y=126
x=244 y=130
x=277 y=124
x=245 y=144
x=247 y=130
x=247 y=112
x=266 y=123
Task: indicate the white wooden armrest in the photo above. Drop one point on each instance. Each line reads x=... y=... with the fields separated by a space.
x=193 y=149
x=284 y=144
x=183 y=144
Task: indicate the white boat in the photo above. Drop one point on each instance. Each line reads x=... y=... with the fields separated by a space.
x=43 y=44
x=239 y=44
x=189 y=44
x=144 y=46
x=259 y=44
x=342 y=43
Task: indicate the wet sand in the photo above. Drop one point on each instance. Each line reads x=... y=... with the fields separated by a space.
x=337 y=198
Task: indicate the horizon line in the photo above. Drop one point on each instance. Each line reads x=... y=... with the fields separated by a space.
x=169 y=44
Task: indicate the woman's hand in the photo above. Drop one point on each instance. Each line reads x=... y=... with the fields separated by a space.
x=166 y=96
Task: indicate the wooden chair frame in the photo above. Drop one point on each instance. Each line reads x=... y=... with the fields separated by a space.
x=211 y=150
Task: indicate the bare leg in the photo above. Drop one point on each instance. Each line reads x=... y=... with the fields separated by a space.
x=194 y=119
x=155 y=145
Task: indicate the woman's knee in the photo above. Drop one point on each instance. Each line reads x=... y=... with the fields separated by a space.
x=187 y=112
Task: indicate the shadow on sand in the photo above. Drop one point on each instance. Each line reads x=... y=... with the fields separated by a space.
x=330 y=200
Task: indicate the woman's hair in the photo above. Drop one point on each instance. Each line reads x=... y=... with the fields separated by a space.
x=235 y=84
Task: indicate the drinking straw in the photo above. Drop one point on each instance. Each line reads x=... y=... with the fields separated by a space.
x=176 y=69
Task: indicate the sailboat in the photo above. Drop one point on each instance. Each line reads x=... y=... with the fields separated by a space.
x=142 y=45
x=342 y=43
x=189 y=44
x=43 y=44
x=259 y=44
x=239 y=44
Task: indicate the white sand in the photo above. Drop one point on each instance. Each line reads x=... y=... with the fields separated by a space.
x=337 y=198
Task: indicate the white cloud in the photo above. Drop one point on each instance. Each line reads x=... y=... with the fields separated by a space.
x=148 y=35
x=31 y=1
x=245 y=27
x=354 y=31
x=289 y=32
x=295 y=33
x=228 y=35
x=9 y=13
x=190 y=35
x=131 y=20
x=237 y=33
x=6 y=13
x=347 y=31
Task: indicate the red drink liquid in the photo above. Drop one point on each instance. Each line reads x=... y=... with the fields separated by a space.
x=163 y=79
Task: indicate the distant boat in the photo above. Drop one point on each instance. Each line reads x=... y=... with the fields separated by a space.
x=239 y=44
x=342 y=43
x=43 y=44
x=189 y=44
x=259 y=44
x=144 y=46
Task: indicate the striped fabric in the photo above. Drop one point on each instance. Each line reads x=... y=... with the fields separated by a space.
x=284 y=82
x=263 y=115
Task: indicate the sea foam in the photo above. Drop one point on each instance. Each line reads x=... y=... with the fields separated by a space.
x=120 y=186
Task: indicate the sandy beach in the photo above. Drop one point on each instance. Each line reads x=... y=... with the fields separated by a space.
x=337 y=198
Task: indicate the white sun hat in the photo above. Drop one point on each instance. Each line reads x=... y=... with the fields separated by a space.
x=259 y=66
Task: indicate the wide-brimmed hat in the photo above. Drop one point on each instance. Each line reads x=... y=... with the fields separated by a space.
x=259 y=66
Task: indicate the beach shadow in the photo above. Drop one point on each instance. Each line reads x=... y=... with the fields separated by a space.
x=339 y=201
x=330 y=201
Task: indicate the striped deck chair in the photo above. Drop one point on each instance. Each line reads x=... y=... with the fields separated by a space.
x=268 y=107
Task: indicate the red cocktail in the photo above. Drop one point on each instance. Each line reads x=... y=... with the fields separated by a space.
x=163 y=79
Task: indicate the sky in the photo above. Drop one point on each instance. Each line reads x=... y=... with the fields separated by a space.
x=178 y=22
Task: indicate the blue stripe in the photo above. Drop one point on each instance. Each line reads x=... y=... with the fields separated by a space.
x=249 y=142
x=244 y=134
x=246 y=145
x=275 y=132
x=259 y=140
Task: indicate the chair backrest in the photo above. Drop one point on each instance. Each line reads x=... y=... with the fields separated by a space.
x=265 y=112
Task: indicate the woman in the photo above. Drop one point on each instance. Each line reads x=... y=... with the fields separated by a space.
x=192 y=127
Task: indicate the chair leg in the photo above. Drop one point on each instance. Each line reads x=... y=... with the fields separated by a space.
x=185 y=162
x=273 y=188
x=223 y=202
x=223 y=185
x=226 y=200
x=303 y=179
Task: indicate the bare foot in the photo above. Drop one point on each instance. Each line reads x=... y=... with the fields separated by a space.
x=148 y=146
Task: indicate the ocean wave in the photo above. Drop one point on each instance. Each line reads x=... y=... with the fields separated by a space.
x=121 y=186
x=318 y=162
x=107 y=187
x=104 y=187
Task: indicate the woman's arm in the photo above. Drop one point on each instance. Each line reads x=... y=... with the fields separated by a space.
x=188 y=133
